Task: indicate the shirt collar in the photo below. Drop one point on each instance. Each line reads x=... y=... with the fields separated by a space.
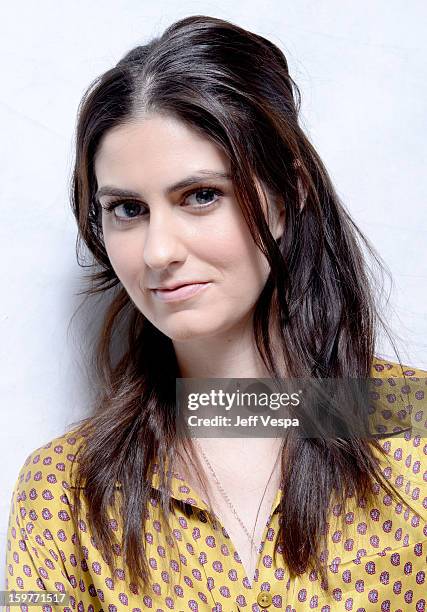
x=181 y=491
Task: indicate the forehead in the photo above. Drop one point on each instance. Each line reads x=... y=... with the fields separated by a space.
x=149 y=148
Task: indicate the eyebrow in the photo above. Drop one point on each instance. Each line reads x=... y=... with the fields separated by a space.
x=182 y=184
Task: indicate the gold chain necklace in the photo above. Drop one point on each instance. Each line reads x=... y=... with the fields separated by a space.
x=227 y=499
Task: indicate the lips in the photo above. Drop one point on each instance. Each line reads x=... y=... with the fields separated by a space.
x=174 y=287
x=177 y=285
x=180 y=292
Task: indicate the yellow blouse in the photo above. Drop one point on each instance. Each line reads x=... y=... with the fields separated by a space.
x=380 y=564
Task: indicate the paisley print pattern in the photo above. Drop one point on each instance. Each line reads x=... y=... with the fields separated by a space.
x=378 y=563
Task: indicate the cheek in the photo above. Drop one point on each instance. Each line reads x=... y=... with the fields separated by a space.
x=232 y=250
x=125 y=255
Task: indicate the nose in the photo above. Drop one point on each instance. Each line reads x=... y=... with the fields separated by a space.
x=163 y=245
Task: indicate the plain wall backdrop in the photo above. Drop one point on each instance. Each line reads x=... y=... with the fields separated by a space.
x=360 y=67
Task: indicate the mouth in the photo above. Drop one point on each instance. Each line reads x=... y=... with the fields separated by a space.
x=180 y=293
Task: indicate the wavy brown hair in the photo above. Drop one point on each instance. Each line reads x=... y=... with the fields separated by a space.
x=234 y=88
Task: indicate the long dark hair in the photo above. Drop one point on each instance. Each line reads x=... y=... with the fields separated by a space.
x=233 y=86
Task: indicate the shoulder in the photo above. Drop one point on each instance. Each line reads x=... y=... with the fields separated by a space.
x=400 y=391
x=403 y=402
x=51 y=462
x=46 y=476
x=383 y=368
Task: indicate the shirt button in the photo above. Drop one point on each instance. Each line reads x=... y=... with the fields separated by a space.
x=264 y=599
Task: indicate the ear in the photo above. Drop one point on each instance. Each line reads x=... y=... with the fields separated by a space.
x=279 y=226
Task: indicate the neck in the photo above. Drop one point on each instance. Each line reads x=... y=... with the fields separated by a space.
x=230 y=354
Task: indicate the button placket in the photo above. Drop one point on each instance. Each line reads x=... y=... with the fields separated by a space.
x=266 y=578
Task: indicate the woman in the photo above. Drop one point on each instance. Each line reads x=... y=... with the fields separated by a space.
x=192 y=171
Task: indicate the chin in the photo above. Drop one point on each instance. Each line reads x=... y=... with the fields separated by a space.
x=188 y=332
x=190 y=325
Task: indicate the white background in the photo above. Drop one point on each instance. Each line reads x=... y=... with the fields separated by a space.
x=360 y=67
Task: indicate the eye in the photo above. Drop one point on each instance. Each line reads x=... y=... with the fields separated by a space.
x=126 y=206
x=206 y=193
x=126 y=211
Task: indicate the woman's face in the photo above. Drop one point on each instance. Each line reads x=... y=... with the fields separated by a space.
x=168 y=234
